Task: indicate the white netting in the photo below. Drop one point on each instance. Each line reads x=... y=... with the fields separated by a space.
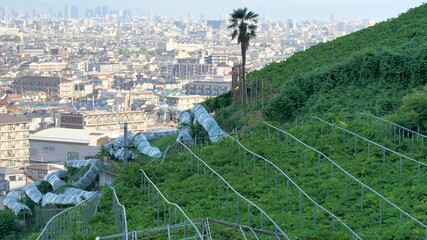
x=12 y=202
x=79 y=192
x=33 y=192
x=87 y=179
x=55 y=178
x=208 y=123
x=63 y=199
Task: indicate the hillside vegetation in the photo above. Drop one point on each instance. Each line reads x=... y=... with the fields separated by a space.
x=377 y=193
x=370 y=70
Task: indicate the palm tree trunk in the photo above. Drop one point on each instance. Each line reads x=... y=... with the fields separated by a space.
x=244 y=90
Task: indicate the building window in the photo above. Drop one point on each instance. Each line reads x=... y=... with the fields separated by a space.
x=41 y=174
x=48 y=149
x=12 y=178
x=30 y=173
x=73 y=156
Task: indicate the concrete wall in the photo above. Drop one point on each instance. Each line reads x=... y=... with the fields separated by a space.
x=106 y=177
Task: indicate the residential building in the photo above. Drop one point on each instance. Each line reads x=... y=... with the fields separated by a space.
x=14 y=133
x=47 y=66
x=37 y=171
x=190 y=70
x=207 y=88
x=184 y=102
x=11 y=179
x=146 y=96
x=112 y=122
x=57 y=145
x=50 y=85
x=107 y=122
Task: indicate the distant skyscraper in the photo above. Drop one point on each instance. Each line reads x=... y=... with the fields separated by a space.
x=291 y=24
x=74 y=11
x=2 y=12
x=332 y=18
x=190 y=15
x=67 y=11
x=98 y=12
x=127 y=14
x=104 y=11
x=150 y=14
x=89 y=13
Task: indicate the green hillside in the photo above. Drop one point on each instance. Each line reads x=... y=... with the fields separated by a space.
x=370 y=70
x=314 y=179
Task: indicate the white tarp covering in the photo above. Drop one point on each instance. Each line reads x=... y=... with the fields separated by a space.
x=143 y=146
x=33 y=192
x=116 y=148
x=208 y=123
x=79 y=192
x=55 y=178
x=185 y=133
x=87 y=179
x=79 y=163
x=12 y=202
x=63 y=199
x=157 y=135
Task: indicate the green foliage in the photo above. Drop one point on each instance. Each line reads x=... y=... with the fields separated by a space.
x=369 y=70
x=44 y=187
x=219 y=102
x=9 y=227
x=373 y=82
x=125 y=51
x=413 y=112
x=15 y=39
x=164 y=142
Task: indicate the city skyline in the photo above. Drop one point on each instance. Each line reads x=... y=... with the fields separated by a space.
x=303 y=9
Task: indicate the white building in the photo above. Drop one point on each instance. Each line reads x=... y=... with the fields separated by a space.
x=57 y=145
x=11 y=179
x=184 y=102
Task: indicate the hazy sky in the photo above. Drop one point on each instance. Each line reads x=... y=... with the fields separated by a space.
x=275 y=9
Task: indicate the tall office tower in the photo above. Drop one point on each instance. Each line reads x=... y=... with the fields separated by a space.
x=74 y=11
x=127 y=14
x=67 y=11
x=104 y=11
x=291 y=24
x=332 y=18
x=89 y=13
x=150 y=14
x=2 y=12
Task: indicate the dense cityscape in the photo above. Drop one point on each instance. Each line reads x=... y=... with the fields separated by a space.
x=101 y=105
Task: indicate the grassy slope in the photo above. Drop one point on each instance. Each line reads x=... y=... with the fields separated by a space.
x=369 y=70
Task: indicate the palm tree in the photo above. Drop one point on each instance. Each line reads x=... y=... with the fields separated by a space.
x=244 y=25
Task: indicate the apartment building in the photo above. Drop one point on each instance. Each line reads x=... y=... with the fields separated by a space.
x=108 y=122
x=207 y=88
x=14 y=133
x=47 y=66
x=52 y=86
x=11 y=179
x=146 y=96
x=190 y=70
x=184 y=102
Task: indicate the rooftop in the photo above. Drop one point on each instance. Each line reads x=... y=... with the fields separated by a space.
x=67 y=135
x=10 y=119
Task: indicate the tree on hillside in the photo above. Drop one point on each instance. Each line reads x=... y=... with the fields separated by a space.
x=244 y=25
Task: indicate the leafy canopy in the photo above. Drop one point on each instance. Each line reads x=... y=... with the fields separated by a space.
x=244 y=25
